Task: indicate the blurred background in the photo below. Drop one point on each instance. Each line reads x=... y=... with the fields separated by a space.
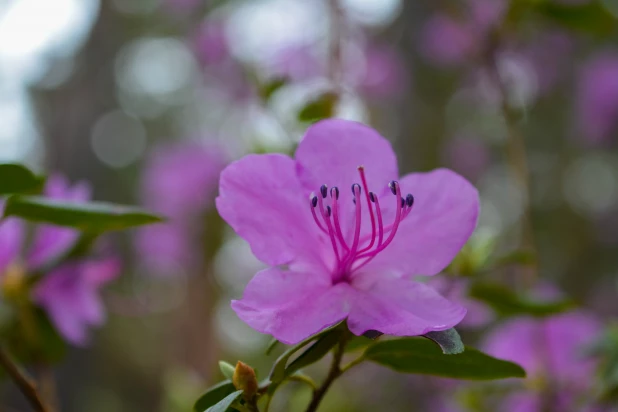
x=149 y=99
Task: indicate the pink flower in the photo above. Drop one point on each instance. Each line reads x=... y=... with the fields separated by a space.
x=70 y=296
x=385 y=73
x=69 y=293
x=550 y=349
x=348 y=254
x=179 y=182
x=598 y=98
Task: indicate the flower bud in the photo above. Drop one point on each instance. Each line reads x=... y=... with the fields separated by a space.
x=244 y=378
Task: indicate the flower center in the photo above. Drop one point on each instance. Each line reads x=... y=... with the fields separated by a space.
x=351 y=256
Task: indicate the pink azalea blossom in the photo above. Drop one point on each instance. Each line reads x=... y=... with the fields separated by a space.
x=337 y=253
x=551 y=349
x=69 y=292
x=70 y=296
x=179 y=182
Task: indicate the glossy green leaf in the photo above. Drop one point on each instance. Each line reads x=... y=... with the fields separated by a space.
x=508 y=303
x=224 y=404
x=419 y=356
x=316 y=351
x=358 y=342
x=214 y=395
x=277 y=373
x=15 y=178
x=320 y=108
x=271 y=346
x=91 y=217
x=448 y=340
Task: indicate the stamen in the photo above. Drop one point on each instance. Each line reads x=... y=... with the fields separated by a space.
x=394 y=186
x=313 y=202
x=379 y=215
x=361 y=171
x=324 y=191
x=356 y=189
x=336 y=223
x=326 y=216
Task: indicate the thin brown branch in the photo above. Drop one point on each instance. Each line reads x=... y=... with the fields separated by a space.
x=334 y=373
x=26 y=385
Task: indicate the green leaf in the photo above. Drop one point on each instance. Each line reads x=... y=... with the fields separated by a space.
x=448 y=340
x=358 y=342
x=277 y=373
x=508 y=303
x=316 y=351
x=591 y=18
x=225 y=403
x=214 y=395
x=320 y=108
x=271 y=346
x=415 y=355
x=15 y=178
x=226 y=369
x=91 y=217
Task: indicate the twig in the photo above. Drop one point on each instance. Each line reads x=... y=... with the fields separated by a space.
x=24 y=382
x=334 y=373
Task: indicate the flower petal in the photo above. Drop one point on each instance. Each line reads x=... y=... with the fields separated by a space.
x=52 y=241
x=11 y=239
x=332 y=150
x=444 y=215
x=292 y=306
x=400 y=307
x=261 y=198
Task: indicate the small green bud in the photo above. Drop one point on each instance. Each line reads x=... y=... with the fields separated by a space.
x=226 y=369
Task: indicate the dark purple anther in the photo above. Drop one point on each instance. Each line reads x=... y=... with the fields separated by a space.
x=324 y=191
x=409 y=200
x=314 y=201
x=403 y=202
x=354 y=186
x=372 y=197
x=393 y=186
x=334 y=190
x=328 y=211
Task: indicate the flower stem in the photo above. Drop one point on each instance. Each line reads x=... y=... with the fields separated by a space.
x=334 y=373
x=24 y=382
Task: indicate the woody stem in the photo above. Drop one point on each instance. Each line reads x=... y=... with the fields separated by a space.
x=23 y=381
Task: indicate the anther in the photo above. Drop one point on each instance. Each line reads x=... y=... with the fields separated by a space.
x=403 y=202
x=393 y=186
x=324 y=191
x=409 y=200
x=372 y=197
x=354 y=186
x=328 y=211
x=314 y=201
x=334 y=190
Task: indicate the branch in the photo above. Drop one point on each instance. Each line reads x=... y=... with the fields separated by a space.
x=334 y=373
x=24 y=382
